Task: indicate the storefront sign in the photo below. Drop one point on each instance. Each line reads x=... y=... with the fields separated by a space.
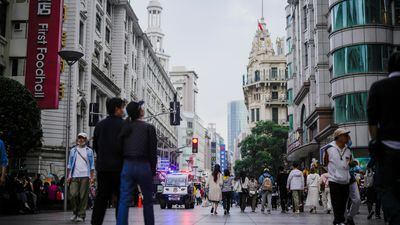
x=44 y=42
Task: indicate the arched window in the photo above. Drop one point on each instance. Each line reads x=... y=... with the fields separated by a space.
x=257 y=76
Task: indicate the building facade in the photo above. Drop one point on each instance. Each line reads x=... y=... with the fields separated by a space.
x=264 y=86
x=119 y=60
x=185 y=82
x=237 y=122
x=333 y=61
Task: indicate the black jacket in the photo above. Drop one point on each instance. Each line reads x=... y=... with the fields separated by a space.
x=105 y=143
x=383 y=109
x=281 y=181
x=138 y=140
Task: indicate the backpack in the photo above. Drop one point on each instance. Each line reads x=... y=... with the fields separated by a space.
x=267 y=184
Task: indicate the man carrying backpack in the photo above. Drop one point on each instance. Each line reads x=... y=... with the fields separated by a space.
x=266 y=190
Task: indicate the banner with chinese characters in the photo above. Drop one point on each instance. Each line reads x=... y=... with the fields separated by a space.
x=42 y=76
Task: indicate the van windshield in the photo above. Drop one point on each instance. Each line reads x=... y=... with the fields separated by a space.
x=176 y=182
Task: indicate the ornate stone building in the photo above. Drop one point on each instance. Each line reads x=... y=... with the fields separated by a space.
x=264 y=86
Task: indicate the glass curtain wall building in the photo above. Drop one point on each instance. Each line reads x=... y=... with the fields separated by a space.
x=237 y=123
x=357 y=38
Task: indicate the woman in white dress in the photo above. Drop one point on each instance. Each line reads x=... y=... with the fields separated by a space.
x=214 y=185
x=313 y=190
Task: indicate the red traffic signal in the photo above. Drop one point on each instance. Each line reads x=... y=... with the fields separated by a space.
x=195 y=145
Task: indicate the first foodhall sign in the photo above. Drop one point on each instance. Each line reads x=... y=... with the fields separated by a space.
x=44 y=42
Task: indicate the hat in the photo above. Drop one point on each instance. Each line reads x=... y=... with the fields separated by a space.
x=82 y=134
x=340 y=131
x=133 y=109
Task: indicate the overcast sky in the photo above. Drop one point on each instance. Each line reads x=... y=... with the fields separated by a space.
x=214 y=38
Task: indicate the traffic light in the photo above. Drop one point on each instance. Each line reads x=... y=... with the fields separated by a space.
x=175 y=113
x=195 y=145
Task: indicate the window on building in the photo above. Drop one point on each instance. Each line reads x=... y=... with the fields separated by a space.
x=98 y=22
x=305 y=17
x=81 y=81
x=96 y=58
x=290 y=96
x=3 y=17
x=109 y=7
x=17 y=66
x=125 y=46
x=289 y=45
x=289 y=71
x=288 y=20
x=351 y=107
x=360 y=12
x=274 y=95
x=290 y=122
x=257 y=76
x=81 y=33
x=274 y=87
x=306 y=54
x=190 y=124
x=274 y=73
x=361 y=59
x=108 y=35
x=257 y=114
x=275 y=117
x=252 y=115
x=396 y=12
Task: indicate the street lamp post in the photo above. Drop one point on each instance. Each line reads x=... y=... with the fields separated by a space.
x=71 y=57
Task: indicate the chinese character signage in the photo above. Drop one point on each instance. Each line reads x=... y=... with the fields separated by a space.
x=44 y=42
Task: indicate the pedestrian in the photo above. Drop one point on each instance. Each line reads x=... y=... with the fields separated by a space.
x=384 y=128
x=138 y=142
x=3 y=161
x=108 y=160
x=236 y=190
x=371 y=195
x=295 y=184
x=227 y=188
x=313 y=190
x=198 y=195
x=326 y=195
x=281 y=181
x=31 y=196
x=354 y=192
x=266 y=194
x=337 y=157
x=244 y=191
x=80 y=173
x=214 y=184
x=253 y=195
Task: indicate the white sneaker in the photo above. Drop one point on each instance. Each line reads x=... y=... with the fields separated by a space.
x=297 y=211
x=73 y=218
x=79 y=219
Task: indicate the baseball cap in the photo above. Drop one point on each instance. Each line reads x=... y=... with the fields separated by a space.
x=82 y=134
x=340 y=131
x=133 y=109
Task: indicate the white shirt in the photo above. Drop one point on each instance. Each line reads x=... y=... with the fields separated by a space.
x=81 y=167
x=338 y=166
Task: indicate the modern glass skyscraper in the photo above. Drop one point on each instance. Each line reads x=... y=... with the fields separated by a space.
x=237 y=122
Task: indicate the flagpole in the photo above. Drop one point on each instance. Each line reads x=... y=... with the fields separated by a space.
x=262 y=8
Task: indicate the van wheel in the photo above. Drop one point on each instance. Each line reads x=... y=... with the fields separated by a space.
x=169 y=205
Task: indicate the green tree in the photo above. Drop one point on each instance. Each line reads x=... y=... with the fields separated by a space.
x=19 y=121
x=264 y=147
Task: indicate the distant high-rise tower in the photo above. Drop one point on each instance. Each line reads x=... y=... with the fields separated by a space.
x=154 y=32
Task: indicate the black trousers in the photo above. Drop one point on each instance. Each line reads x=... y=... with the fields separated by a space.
x=283 y=197
x=227 y=199
x=339 y=196
x=108 y=184
x=243 y=200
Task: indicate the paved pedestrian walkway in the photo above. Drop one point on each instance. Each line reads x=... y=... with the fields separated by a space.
x=197 y=216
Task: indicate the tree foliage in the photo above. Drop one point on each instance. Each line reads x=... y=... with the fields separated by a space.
x=263 y=148
x=19 y=121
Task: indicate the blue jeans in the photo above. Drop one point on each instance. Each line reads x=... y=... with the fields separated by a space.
x=136 y=172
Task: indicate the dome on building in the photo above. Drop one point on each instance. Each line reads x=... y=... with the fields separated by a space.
x=154 y=4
